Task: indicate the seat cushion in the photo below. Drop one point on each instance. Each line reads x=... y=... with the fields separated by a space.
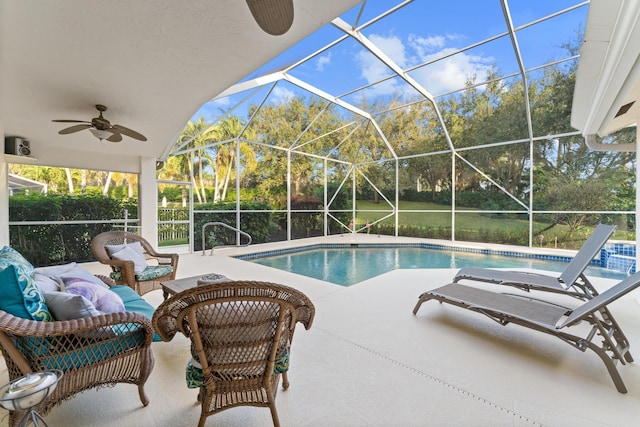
x=195 y=376
x=150 y=273
x=134 y=303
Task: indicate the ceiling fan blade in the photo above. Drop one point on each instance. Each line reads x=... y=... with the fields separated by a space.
x=70 y=121
x=72 y=129
x=116 y=137
x=275 y=17
x=130 y=133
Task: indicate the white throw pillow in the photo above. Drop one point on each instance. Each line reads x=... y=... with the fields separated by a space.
x=46 y=283
x=55 y=270
x=67 y=306
x=129 y=253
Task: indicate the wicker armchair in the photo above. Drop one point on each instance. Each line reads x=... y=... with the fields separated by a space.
x=123 y=270
x=240 y=334
x=92 y=352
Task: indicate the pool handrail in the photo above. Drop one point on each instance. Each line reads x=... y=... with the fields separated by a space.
x=237 y=230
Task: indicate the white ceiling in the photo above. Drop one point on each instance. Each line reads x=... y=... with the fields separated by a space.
x=153 y=63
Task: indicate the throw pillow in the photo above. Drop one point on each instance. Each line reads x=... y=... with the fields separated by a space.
x=102 y=298
x=66 y=306
x=129 y=253
x=112 y=249
x=46 y=283
x=55 y=270
x=79 y=272
x=20 y=296
x=9 y=256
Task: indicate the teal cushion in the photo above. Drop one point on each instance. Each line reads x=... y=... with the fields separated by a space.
x=195 y=376
x=46 y=353
x=20 y=296
x=134 y=303
x=149 y=273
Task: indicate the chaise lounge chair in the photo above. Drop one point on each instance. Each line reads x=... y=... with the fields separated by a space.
x=604 y=337
x=572 y=281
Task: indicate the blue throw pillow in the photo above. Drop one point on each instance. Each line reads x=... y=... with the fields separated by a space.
x=20 y=296
x=9 y=256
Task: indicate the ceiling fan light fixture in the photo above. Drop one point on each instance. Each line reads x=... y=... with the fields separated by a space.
x=275 y=17
x=101 y=134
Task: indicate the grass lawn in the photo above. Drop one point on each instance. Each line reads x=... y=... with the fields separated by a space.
x=475 y=226
x=464 y=221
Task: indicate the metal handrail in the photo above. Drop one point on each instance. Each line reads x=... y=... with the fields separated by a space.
x=237 y=230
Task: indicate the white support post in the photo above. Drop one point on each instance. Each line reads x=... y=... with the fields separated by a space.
x=637 y=203
x=4 y=195
x=148 y=200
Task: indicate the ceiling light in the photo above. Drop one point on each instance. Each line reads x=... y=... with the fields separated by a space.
x=101 y=134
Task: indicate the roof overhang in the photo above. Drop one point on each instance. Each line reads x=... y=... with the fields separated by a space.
x=607 y=90
x=153 y=63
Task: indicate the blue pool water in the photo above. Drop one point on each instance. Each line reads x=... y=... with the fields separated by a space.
x=347 y=266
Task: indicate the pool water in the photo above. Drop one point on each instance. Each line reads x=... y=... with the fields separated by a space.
x=348 y=266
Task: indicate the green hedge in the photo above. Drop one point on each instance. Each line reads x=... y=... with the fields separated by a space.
x=56 y=243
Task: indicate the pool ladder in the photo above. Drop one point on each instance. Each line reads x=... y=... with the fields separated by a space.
x=237 y=230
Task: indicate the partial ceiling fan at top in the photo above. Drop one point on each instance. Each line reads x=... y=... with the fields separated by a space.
x=101 y=128
x=275 y=17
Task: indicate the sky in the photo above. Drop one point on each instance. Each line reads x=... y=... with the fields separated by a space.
x=420 y=32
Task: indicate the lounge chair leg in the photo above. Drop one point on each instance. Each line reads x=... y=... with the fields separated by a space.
x=421 y=299
x=611 y=367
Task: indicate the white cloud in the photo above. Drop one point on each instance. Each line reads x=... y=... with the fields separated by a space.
x=323 y=61
x=281 y=95
x=392 y=46
x=451 y=73
x=440 y=77
x=373 y=70
x=425 y=45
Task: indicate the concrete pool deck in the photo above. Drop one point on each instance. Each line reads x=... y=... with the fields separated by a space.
x=368 y=361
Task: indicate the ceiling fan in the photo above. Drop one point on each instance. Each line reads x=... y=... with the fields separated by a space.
x=101 y=128
x=273 y=16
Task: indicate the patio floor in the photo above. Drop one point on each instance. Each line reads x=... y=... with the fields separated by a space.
x=368 y=361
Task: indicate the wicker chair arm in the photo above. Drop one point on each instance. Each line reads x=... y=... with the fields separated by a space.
x=107 y=280
x=126 y=269
x=24 y=327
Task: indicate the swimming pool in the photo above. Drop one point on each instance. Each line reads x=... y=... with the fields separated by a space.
x=350 y=265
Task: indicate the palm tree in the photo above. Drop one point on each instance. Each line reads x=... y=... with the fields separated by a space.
x=197 y=134
x=225 y=157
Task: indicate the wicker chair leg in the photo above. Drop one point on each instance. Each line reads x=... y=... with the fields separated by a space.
x=274 y=413
x=285 y=381
x=143 y=395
